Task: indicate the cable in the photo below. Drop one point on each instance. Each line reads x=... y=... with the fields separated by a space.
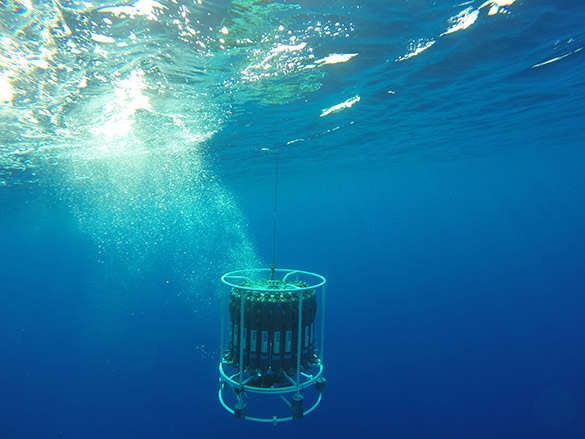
x=273 y=266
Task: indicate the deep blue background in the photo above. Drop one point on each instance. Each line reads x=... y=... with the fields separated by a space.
x=455 y=295
x=454 y=309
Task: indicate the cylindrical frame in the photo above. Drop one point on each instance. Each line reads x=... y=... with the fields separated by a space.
x=239 y=382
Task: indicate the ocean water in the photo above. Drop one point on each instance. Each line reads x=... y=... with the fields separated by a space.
x=431 y=167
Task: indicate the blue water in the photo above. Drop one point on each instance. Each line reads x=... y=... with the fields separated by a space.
x=430 y=166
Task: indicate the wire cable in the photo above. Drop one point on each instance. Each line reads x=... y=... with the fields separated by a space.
x=273 y=266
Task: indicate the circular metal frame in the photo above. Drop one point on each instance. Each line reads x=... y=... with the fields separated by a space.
x=244 y=275
x=310 y=379
x=255 y=280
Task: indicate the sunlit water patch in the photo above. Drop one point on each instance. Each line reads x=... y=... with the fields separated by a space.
x=64 y=65
x=99 y=109
x=112 y=107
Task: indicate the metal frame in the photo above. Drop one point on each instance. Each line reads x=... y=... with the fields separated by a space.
x=238 y=382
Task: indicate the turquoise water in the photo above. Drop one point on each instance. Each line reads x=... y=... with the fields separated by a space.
x=430 y=166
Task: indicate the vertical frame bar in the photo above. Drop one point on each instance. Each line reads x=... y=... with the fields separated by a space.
x=322 y=320
x=242 y=300
x=299 y=338
x=222 y=320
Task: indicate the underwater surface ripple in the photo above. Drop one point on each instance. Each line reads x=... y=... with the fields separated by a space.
x=415 y=71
